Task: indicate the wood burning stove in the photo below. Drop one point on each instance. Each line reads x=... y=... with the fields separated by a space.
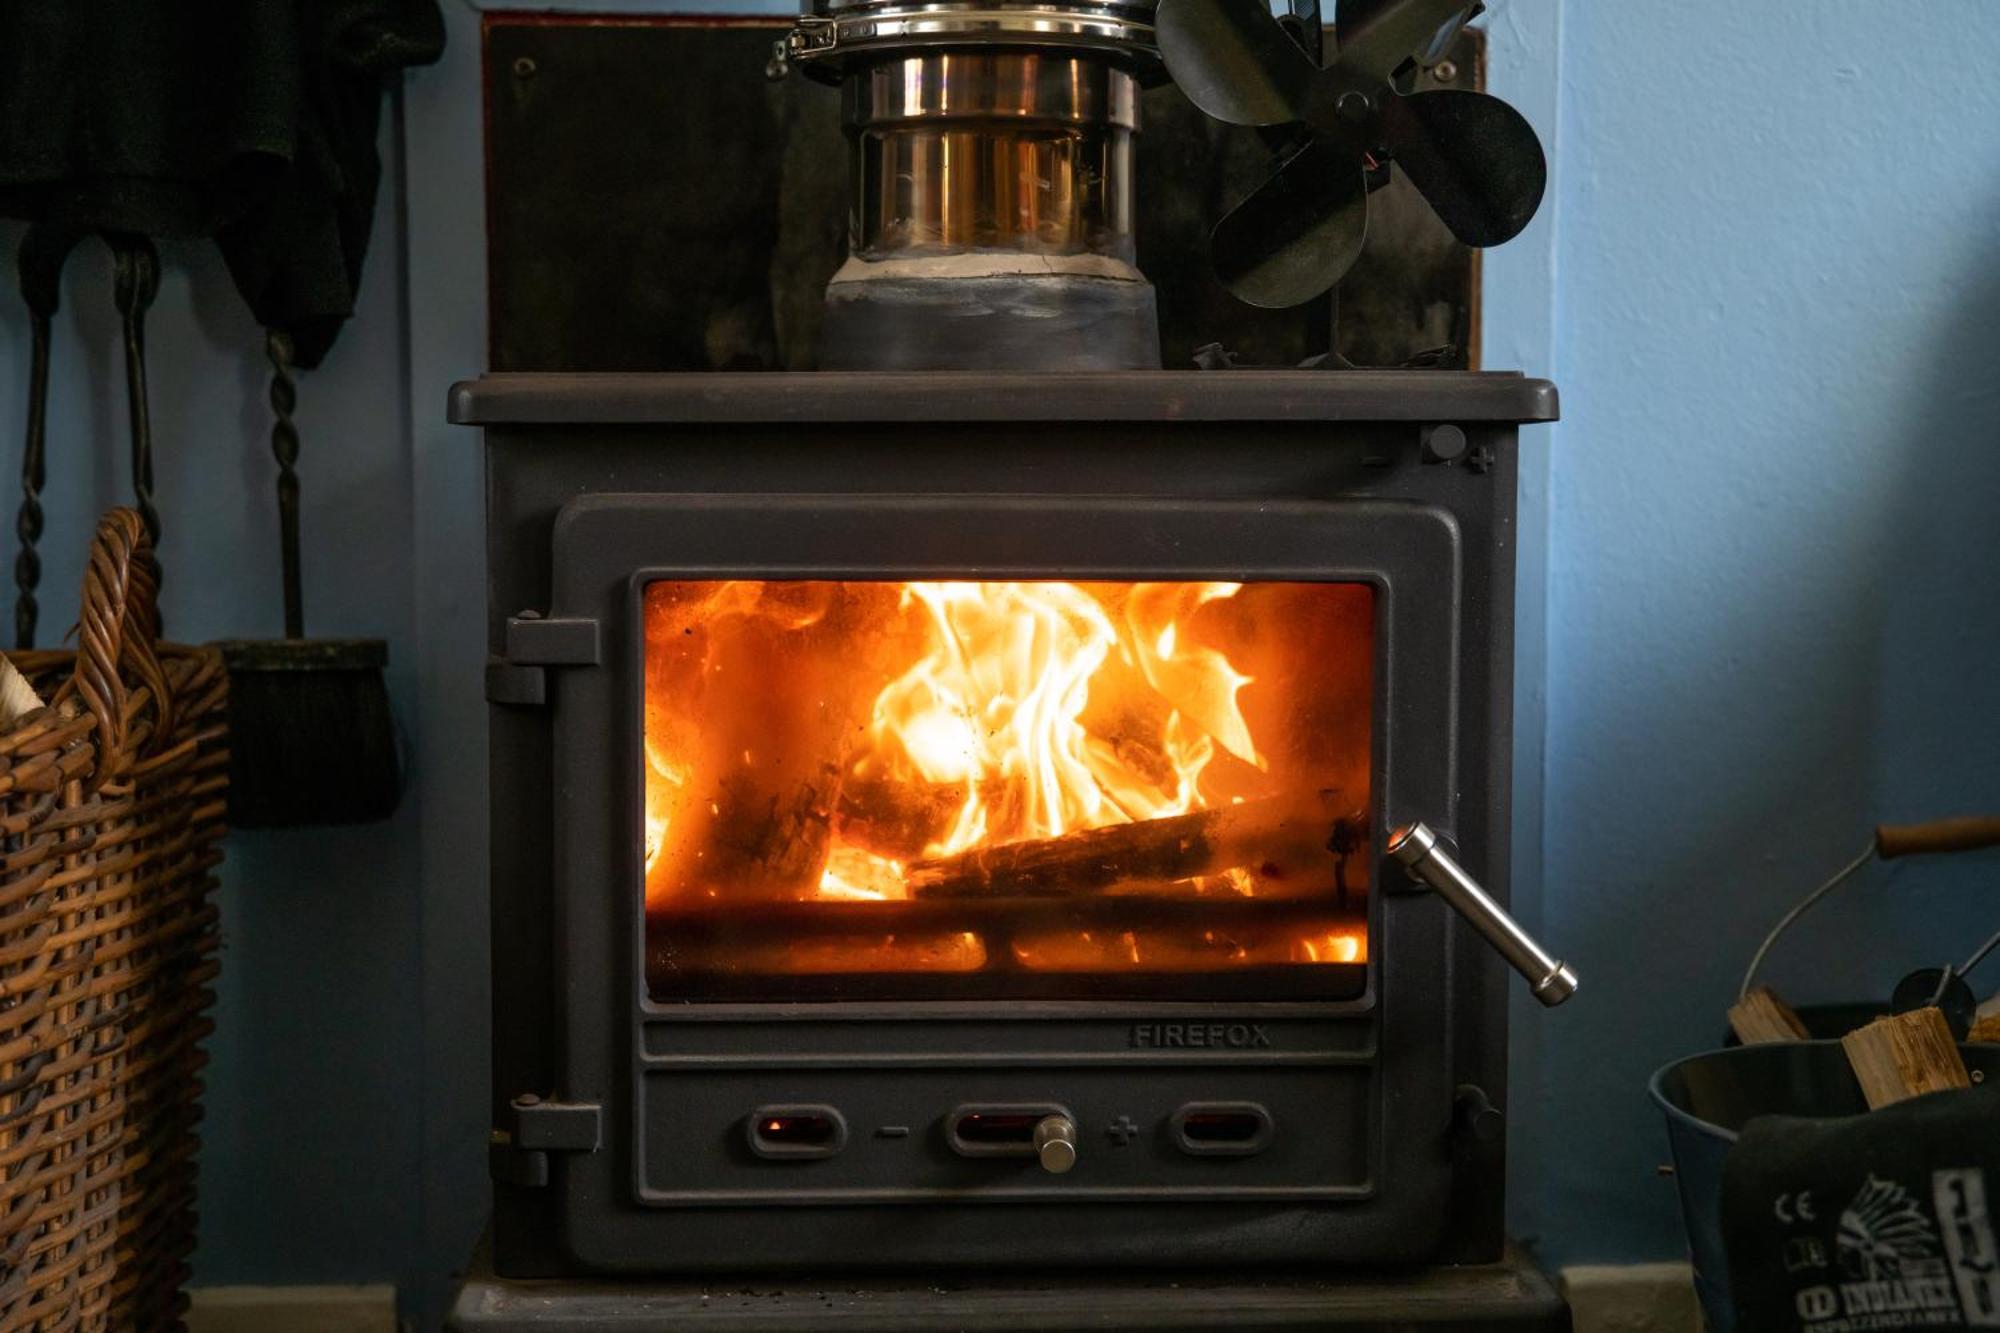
x=994 y=807
x=946 y=820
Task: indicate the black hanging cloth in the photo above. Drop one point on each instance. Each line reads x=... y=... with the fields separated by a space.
x=252 y=121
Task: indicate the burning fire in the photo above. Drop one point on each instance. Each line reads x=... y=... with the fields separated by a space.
x=820 y=741
x=995 y=709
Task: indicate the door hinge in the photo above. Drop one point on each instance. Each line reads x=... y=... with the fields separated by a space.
x=519 y=686
x=519 y=678
x=530 y=1129
x=534 y=640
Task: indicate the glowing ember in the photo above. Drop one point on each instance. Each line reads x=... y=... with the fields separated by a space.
x=855 y=874
x=1338 y=947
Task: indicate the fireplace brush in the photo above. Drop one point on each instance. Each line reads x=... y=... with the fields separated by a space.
x=312 y=738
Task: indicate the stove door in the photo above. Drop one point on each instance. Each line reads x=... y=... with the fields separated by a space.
x=878 y=812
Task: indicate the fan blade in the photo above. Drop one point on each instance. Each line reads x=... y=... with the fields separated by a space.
x=1299 y=233
x=1474 y=159
x=1234 y=60
x=1376 y=37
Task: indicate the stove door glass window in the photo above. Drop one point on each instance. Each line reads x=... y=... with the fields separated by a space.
x=870 y=790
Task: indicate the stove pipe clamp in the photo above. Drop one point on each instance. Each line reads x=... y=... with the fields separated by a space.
x=811 y=38
x=1416 y=847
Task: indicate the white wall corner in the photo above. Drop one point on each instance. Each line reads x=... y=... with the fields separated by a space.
x=365 y=1309
x=1632 y=1298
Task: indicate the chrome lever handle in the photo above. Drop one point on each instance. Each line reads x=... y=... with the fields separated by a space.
x=1416 y=847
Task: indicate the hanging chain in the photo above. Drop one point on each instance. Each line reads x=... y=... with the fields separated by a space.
x=34 y=474
x=136 y=275
x=285 y=448
x=44 y=249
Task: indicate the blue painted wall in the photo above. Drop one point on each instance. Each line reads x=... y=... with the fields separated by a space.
x=1757 y=612
x=1773 y=535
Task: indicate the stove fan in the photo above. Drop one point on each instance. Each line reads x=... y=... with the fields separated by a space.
x=1474 y=158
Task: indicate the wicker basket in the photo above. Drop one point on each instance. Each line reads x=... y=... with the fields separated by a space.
x=111 y=814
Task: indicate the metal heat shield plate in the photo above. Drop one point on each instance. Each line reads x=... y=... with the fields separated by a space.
x=655 y=203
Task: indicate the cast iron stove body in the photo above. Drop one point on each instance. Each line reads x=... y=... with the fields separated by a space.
x=908 y=1055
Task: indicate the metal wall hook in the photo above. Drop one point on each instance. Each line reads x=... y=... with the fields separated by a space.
x=44 y=250
x=135 y=283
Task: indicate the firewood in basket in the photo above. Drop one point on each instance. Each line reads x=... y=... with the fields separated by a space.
x=1904 y=1056
x=17 y=696
x=1986 y=1026
x=1761 y=1017
x=1281 y=831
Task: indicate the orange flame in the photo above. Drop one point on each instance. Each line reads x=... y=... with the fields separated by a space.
x=664 y=778
x=997 y=705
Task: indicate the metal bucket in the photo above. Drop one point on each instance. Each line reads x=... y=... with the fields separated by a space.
x=1709 y=1098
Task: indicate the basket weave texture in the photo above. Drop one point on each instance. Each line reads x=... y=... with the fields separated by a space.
x=111 y=815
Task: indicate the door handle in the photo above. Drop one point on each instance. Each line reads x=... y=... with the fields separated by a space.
x=1417 y=849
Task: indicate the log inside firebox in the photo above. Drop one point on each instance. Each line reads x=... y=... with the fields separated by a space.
x=1280 y=831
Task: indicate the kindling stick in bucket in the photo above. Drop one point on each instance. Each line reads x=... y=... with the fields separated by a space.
x=1904 y=1056
x=1761 y=1016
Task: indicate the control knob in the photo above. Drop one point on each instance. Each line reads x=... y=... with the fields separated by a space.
x=1055 y=1143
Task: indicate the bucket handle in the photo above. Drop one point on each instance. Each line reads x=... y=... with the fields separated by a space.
x=116 y=631
x=1966 y=833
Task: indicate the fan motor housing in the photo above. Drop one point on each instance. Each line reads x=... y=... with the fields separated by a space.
x=990 y=222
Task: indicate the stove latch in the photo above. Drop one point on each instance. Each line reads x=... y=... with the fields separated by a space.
x=1428 y=863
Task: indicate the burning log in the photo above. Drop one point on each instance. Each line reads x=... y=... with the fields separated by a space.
x=1278 y=833
x=772 y=839
x=896 y=818
x=764 y=749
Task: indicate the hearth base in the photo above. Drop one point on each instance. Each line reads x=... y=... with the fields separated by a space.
x=1511 y=1295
